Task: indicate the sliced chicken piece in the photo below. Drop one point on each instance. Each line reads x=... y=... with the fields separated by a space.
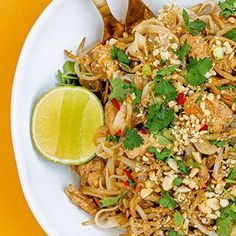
x=90 y=172
x=82 y=201
x=118 y=121
x=220 y=115
x=227 y=95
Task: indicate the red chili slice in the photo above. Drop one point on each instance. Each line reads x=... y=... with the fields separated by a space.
x=116 y=103
x=119 y=132
x=128 y=174
x=234 y=16
x=126 y=183
x=181 y=98
x=204 y=127
x=143 y=131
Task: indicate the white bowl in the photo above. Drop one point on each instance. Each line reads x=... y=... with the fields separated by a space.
x=61 y=26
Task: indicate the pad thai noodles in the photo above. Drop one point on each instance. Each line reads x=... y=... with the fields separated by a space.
x=165 y=159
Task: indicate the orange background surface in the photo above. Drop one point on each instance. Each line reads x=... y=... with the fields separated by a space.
x=16 y=19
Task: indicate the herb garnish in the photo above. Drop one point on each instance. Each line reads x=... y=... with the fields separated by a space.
x=231 y=35
x=226 y=220
x=119 y=90
x=118 y=54
x=227 y=8
x=197 y=69
x=183 y=51
x=132 y=139
x=158 y=118
x=167 y=201
x=194 y=27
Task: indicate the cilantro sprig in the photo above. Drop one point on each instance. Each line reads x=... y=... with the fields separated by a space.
x=164 y=87
x=177 y=182
x=118 y=54
x=119 y=89
x=163 y=155
x=227 y=8
x=168 y=70
x=182 y=167
x=197 y=69
x=158 y=118
x=231 y=35
x=193 y=27
x=183 y=51
x=132 y=139
x=167 y=201
x=218 y=143
x=226 y=220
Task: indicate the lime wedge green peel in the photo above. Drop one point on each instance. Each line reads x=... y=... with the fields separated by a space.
x=63 y=125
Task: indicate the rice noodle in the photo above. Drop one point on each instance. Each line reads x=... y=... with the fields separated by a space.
x=141 y=213
x=217 y=165
x=105 y=224
x=97 y=192
x=202 y=228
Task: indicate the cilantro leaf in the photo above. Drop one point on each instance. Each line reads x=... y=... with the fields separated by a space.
x=183 y=51
x=218 y=143
x=111 y=201
x=177 y=182
x=197 y=69
x=164 y=87
x=174 y=233
x=152 y=150
x=167 y=201
x=158 y=118
x=147 y=70
x=194 y=27
x=226 y=220
x=119 y=89
x=132 y=139
x=178 y=219
x=118 y=54
x=164 y=155
x=112 y=139
x=227 y=8
x=168 y=70
x=182 y=167
x=231 y=35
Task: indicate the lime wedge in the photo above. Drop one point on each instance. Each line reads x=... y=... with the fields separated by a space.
x=63 y=125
